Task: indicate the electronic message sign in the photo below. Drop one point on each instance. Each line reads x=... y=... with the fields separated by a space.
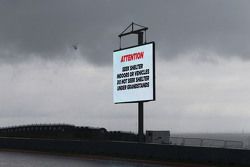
x=134 y=74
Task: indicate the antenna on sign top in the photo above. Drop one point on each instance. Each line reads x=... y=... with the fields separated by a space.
x=134 y=28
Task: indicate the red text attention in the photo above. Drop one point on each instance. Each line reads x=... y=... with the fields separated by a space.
x=133 y=56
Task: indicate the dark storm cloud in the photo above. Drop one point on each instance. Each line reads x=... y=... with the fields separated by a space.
x=48 y=28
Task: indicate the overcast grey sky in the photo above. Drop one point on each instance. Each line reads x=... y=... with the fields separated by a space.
x=202 y=58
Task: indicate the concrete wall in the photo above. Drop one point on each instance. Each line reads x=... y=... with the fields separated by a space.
x=133 y=150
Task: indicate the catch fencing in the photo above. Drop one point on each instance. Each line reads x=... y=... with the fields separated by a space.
x=203 y=142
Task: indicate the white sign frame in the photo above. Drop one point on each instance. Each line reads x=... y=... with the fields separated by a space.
x=135 y=59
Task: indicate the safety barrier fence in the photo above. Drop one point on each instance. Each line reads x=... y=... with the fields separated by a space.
x=203 y=142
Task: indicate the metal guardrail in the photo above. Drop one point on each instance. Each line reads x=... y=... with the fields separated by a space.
x=204 y=142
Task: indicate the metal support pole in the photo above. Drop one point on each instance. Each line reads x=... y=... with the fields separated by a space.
x=140 y=38
x=140 y=122
x=140 y=104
